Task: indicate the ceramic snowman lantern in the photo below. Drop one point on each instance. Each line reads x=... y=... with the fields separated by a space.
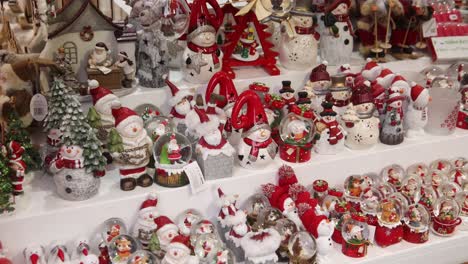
x=202 y=56
x=318 y=86
x=299 y=51
x=416 y=115
x=336 y=44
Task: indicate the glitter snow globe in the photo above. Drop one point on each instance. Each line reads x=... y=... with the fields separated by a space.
x=302 y=248
x=445 y=216
x=121 y=248
x=370 y=199
x=448 y=189
x=416 y=224
x=394 y=175
x=268 y=217
x=411 y=187
x=389 y=229
x=355 y=238
x=207 y=246
x=111 y=228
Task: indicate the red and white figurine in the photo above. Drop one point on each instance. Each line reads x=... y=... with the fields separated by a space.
x=34 y=255
x=145 y=225
x=445 y=216
x=179 y=252
x=17 y=165
x=181 y=104
x=318 y=86
x=389 y=229
x=333 y=136
x=58 y=255
x=261 y=246
x=416 y=115
x=416 y=224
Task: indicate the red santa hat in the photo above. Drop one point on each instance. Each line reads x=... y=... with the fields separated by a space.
x=283 y=200
x=371 y=70
x=286 y=175
x=15 y=149
x=177 y=94
x=418 y=93
x=336 y=3
x=273 y=193
x=206 y=124
x=400 y=83
x=220 y=193
x=312 y=224
x=394 y=95
x=181 y=242
x=99 y=93
x=196 y=27
x=362 y=94
x=385 y=75
x=254 y=118
x=226 y=88
x=320 y=73
x=163 y=223
x=377 y=89
x=149 y=204
x=124 y=116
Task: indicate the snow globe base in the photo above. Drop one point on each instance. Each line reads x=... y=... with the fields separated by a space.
x=412 y=236
x=295 y=154
x=170 y=177
x=387 y=236
x=354 y=250
x=445 y=229
x=216 y=167
x=76 y=184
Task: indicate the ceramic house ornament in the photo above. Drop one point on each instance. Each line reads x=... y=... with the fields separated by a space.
x=416 y=224
x=336 y=45
x=318 y=86
x=145 y=225
x=332 y=138
x=298 y=51
x=256 y=149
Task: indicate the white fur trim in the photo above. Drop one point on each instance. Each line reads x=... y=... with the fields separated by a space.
x=128 y=121
x=93 y=84
x=256 y=250
x=369 y=59
x=413 y=84
x=107 y=98
x=179 y=246
x=325 y=63
x=231 y=220
x=179 y=96
x=192 y=119
x=227 y=150
x=207 y=127
x=165 y=228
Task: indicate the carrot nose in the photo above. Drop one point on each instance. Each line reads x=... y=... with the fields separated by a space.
x=135 y=129
x=430 y=98
x=68 y=150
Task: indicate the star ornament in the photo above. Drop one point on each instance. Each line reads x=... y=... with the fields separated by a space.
x=197 y=62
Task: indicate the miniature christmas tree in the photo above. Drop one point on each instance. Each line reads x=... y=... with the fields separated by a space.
x=154 y=245
x=94 y=119
x=6 y=187
x=59 y=98
x=94 y=160
x=115 y=142
x=16 y=132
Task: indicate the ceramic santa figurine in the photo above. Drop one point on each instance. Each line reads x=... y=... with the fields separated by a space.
x=58 y=255
x=371 y=70
x=228 y=208
x=416 y=115
x=128 y=68
x=34 y=255
x=179 y=252
x=145 y=225
x=298 y=50
x=166 y=231
x=256 y=149
x=261 y=246
x=181 y=103
x=360 y=123
x=318 y=86
x=131 y=148
x=202 y=56
x=340 y=94
x=392 y=127
x=288 y=207
x=17 y=165
x=462 y=119
x=100 y=58
x=332 y=137
x=336 y=45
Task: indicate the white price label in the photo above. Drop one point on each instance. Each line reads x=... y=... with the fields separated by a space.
x=38 y=107
x=450 y=48
x=196 y=178
x=429 y=28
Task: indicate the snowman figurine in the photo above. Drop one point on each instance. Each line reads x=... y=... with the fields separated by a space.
x=34 y=255
x=392 y=127
x=336 y=45
x=145 y=225
x=202 y=56
x=299 y=51
x=322 y=229
x=332 y=137
x=318 y=86
x=58 y=255
x=165 y=232
x=340 y=94
x=416 y=115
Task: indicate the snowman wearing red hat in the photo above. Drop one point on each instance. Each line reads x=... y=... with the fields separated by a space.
x=332 y=137
x=322 y=229
x=17 y=164
x=462 y=119
x=416 y=115
x=202 y=56
x=145 y=225
x=371 y=70
x=385 y=78
x=181 y=104
x=318 y=86
x=256 y=149
x=379 y=95
x=58 y=255
x=132 y=150
x=166 y=230
x=179 y=252
x=392 y=132
x=34 y=254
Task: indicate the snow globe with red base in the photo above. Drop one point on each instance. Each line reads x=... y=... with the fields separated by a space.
x=394 y=175
x=448 y=189
x=297 y=133
x=416 y=224
x=286 y=228
x=462 y=199
x=319 y=189
x=355 y=234
x=268 y=217
x=411 y=187
x=157 y=126
x=428 y=197
x=336 y=207
x=354 y=186
x=121 y=248
x=389 y=229
x=143 y=256
x=445 y=216
x=172 y=152
x=370 y=199
x=302 y=248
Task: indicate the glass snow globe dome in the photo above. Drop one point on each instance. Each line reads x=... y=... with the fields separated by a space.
x=296 y=129
x=390 y=212
x=417 y=217
x=157 y=126
x=302 y=247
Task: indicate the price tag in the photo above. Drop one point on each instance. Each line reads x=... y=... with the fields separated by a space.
x=429 y=28
x=450 y=48
x=196 y=178
x=38 y=107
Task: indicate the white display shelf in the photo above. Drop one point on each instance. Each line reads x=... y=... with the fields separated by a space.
x=50 y=218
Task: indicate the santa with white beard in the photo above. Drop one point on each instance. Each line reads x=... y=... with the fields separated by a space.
x=181 y=103
x=179 y=252
x=289 y=209
x=166 y=231
x=145 y=225
x=17 y=164
x=100 y=57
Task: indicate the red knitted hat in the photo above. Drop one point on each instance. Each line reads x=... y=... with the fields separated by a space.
x=273 y=193
x=164 y=223
x=362 y=94
x=287 y=176
x=282 y=200
x=149 y=204
x=314 y=223
x=306 y=213
x=320 y=73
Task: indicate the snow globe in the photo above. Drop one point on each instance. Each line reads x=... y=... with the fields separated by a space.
x=277 y=8
x=416 y=224
x=460 y=163
x=172 y=152
x=355 y=235
x=389 y=229
x=143 y=257
x=458 y=176
x=445 y=216
x=441 y=165
x=457 y=70
x=430 y=73
x=335 y=208
x=435 y=178
x=253 y=206
x=419 y=169
x=207 y=246
x=448 y=189
x=286 y=228
x=462 y=199
x=302 y=248
x=411 y=187
x=121 y=248
x=297 y=136
x=146 y=111
x=370 y=199
x=111 y=228
x=394 y=175
x=319 y=189
x=428 y=197
x=200 y=228
x=386 y=188
x=354 y=185
x=157 y=126
x=268 y=217
x=187 y=219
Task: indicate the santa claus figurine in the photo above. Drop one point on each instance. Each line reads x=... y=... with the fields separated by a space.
x=256 y=149
x=166 y=231
x=34 y=255
x=133 y=150
x=332 y=137
x=17 y=165
x=173 y=150
x=392 y=127
x=288 y=207
x=181 y=103
x=128 y=68
x=202 y=56
x=318 y=86
x=462 y=119
x=188 y=219
x=100 y=58
x=179 y=252
x=145 y=225
x=416 y=115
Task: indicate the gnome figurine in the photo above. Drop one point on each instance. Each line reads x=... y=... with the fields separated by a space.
x=202 y=56
x=131 y=147
x=318 y=86
x=332 y=137
x=416 y=115
x=392 y=128
x=145 y=225
x=181 y=103
x=256 y=149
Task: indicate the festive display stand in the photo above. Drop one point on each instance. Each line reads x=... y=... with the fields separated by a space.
x=50 y=218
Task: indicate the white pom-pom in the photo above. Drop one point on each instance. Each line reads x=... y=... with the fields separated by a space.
x=93 y=84
x=152 y=196
x=369 y=59
x=116 y=105
x=325 y=63
x=413 y=84
x=165 y=76
x=367 y=83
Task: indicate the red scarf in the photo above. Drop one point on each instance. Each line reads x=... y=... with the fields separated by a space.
x=307 y=31
x=399 y=111
x=335 y=132
x=228 y=125
x=256 y=146
x=204 y=144
x=345 y=18
x=206 y=50
x=337 y=103
x=175 y=114
x=72 y=164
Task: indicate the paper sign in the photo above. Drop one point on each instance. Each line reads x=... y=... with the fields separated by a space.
x=38 y=107
x=429 y=28
x=450 y=48
x=196 y=178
